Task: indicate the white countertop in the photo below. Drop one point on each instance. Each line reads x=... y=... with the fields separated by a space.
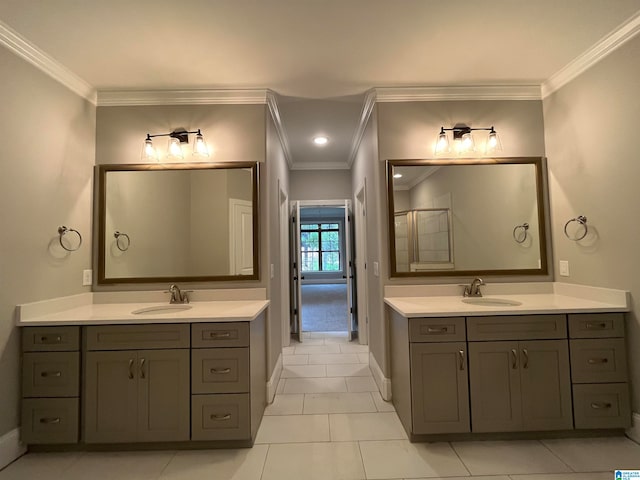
x=445 y=301
x=105 y=309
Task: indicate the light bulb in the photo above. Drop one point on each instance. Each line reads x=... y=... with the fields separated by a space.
x=493 y=142
x=320 y=140
x=148 y=151
x=442 y=144
x=466 y=143
x=175 y=150
x=199 y=146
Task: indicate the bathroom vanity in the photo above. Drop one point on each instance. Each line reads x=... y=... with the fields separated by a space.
x=550 y=361
x=137 y=373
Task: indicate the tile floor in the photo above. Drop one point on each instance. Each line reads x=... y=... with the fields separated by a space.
x=328 y=421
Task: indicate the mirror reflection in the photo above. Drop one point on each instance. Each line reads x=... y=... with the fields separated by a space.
x=466 y=217
x=177 y=222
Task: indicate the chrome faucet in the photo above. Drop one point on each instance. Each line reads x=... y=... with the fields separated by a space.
x=473 y=289
x=178 y=296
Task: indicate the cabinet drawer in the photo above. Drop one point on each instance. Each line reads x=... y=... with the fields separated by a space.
x=601 y=406
x=223 y=334
x=51 y=374
x=517 y=327
x=596 y=325
x=49 y=420
x=220 y=370
x=50 y=339
x=437 y=329
x=137 y=337
x=598 y=360
x=220 y=417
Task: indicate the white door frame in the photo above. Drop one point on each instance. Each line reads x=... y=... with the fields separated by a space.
x=360 y=220
x=285 y=307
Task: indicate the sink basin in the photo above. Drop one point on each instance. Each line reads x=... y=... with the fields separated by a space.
x=491 y=302
x=160 y=309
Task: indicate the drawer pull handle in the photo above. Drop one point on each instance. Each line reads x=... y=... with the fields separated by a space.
x=220 y=334
x=595 y=325
x=461 y=356
x=131 y=369
x=220 y=418
x=50 y=420
x=600 y=405
x=437 y=329
x=595 y=361
x=514 y=359
x=525 y=354
x=47 y=339
x=51 y=374
x=142 y=371
x=220 y=371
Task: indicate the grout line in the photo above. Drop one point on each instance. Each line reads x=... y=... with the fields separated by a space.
x=264 y=464
x=364 y=470
x=460 y=458
x=168 y=462
x=556 y=455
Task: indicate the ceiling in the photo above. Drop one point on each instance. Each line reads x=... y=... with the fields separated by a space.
x=319 y=56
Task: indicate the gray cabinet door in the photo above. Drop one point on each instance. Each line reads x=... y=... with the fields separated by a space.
x=496 y=403
x=163 y=395
x=111 y=397
x=439 y=388
x=546 y=385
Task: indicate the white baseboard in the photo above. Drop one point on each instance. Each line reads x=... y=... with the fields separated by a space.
x=272 y=384
x=633 y=432
x=10 y=447
x=383 y=383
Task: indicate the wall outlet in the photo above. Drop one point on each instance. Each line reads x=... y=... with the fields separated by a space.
x=273 y=270
x=376 y=269
x=564 y=268
x=87 y=277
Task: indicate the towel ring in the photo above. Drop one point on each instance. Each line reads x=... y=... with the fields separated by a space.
x=582 y=220
x=524 y=227
x=118 y=235
x=62 y=231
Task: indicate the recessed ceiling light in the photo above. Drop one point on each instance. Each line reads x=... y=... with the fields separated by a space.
x=397 y=175
x=320 y=140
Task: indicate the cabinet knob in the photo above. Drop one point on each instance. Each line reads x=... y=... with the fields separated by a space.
x=596 y=361
x=220 y=371
x=461 y=356
x=50 y=374
x=600 y=405
x=142 y=370
x=437 y=330
x=595 y=325
x=525 y=361
x=131 y=368
x=50 y=420
x=48 y=339
x=219 y=418
x=514 y=359
x=220 y=334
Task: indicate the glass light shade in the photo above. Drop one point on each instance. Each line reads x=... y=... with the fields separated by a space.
x=200 y=146
x=466 y=143
x=149 y=152
x=174 y=151
x=493 y=142
x=442 y=144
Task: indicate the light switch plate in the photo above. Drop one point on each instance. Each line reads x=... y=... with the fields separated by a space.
x=376 y=269
x=564 y=268
x=87 y=277
x=273 y=270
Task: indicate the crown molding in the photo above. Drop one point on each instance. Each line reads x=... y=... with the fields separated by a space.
x=467 y=92
x=272 y=103
x=365 y=114
x=320 y=166
x=119 y=98
x=24 y=49
x=614 y=40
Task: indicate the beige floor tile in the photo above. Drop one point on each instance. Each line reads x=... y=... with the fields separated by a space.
x=304 y=371
x=597 y=454
x=40 y=466
x=309 y=341
x=361 y=384
x=119 y=465
x=295 y=359
x=354 y=348
x=363 y=358
x=290 y=350
x=315 y=385
x=508 y=457
x=402 y=459
x=563 y=476
x=314 y=461
x=286 y=405
x=336 y=338
x=332 y=358
x=293 y=429
x=482 y=477
x=233 y=464
x=349 y=427
x=381 y=404
x=338 y=403
x=314 y=349
x=349 y=370
x=280 y=387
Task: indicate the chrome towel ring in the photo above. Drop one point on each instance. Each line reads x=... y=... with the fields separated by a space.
x=123 y=245
x=582 y=220
x=62 y=231
x=520 y=232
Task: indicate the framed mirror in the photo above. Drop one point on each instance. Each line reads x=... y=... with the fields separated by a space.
x=177 y=222
x=467 y=217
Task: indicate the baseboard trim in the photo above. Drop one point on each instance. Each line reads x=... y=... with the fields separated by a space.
x=10 y=447
x=633 y=432
x=383 y=383
x=272 y=384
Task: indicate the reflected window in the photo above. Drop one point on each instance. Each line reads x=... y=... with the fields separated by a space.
x=320 y=247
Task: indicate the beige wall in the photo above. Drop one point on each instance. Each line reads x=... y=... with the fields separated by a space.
x=46 y=181
x=320 y=184
x=592 y=147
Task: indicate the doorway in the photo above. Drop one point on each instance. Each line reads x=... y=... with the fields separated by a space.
x=323 y=277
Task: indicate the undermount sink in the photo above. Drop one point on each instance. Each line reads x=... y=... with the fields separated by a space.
x=160 y=309
x=491 y=302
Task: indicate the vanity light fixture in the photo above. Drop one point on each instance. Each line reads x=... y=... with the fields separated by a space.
x=174 y=149
x=320 y=140
x=464 y=142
